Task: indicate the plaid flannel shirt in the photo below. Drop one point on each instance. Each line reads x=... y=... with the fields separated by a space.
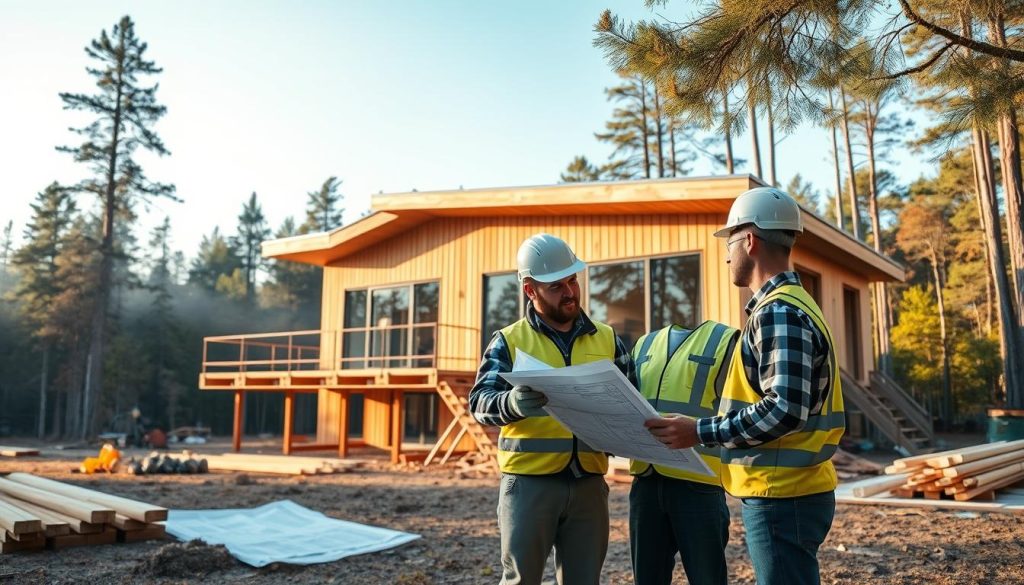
x=488 y=400
x=785 y=358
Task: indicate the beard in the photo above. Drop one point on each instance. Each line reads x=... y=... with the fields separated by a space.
x=742 y=270
x=565 y=312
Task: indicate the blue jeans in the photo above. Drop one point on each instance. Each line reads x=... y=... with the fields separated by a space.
x=668 y=515
x=783 y=536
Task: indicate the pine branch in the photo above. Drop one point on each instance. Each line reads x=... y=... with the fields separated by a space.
x=918 y=69
x=979 y=46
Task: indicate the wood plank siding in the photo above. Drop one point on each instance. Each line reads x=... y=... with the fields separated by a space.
x=458 y=249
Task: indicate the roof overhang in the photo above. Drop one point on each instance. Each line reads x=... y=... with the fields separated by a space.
x=393 y=214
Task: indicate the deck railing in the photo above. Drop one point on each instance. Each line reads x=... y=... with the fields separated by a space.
x=393 y=346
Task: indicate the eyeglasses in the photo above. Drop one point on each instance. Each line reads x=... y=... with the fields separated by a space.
x=740 y=238
x=728 y=244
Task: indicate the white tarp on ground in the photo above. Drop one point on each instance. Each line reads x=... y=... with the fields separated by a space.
x=282 y=532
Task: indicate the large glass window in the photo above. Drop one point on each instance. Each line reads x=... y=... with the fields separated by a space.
x=396 y=322
x=675 y=291
x=645 y=295
x=503 y=304
x=353 y=343
x=617 y=298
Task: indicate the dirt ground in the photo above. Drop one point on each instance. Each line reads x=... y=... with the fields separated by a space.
x=456 y=518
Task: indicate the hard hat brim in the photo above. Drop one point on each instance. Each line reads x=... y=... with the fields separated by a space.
x=578 y=266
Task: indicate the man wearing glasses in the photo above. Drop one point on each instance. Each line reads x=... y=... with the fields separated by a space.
x=781 y=414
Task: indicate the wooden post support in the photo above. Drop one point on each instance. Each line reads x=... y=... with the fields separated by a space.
x=343 y=424
x=236 y=440
x=396 y=424
x=289 y=416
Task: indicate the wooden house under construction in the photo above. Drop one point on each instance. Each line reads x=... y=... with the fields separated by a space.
x=413 y=292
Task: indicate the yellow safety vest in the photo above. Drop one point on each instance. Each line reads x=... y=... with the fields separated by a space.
x=540 y=445
x=797 y=464
x=688 y=381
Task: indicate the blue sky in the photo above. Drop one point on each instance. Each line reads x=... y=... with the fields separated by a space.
x=274 y=97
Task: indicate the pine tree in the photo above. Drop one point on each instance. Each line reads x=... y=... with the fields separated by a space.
x=580 y=171
x=126 y=112
x=323 y=208
x=38 y=286
x=252 y=231
x=216 y=257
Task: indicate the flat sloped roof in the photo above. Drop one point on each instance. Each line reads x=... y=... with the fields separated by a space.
x=393 y=214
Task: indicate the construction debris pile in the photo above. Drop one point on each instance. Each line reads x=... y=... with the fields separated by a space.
x=961 y=474
x=38 y=513
x=157 y=463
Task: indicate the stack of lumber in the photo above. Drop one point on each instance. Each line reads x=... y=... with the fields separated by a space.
x=17 y=451
x=961 y=474
x=38 y=513
x=476 y=465
x=279 y=464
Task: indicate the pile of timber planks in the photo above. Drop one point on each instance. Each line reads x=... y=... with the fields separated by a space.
x=6 y=451
x=280 y=464
x=38 y=513
x=965 y=474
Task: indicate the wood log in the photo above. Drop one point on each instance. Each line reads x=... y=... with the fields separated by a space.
x=17 y=521
x=920 y=460
x=87 y=511
x=992 y=476
x=983 y=464
x=77 y=526
x=991 y=487
x=879 y=485
x=133 y=509
x=52 y=524
x=976 y=454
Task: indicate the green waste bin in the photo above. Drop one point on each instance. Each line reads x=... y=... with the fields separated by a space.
x=1005 y=425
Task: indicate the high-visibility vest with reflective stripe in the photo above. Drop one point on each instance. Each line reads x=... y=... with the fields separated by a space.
x=687 y=380
x=797 y=464
x=540 y=445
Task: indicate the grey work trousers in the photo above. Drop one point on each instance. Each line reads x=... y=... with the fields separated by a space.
x=536 y=512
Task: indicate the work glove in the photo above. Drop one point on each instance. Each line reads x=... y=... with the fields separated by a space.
x=525 y=401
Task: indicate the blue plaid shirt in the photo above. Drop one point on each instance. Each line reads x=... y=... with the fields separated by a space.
x=488 y=400
x=785 y=358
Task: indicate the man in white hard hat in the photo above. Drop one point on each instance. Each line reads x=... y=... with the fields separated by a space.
x=781 y=414
x=553 y=492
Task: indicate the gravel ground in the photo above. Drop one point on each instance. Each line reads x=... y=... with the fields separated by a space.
x=456 y=517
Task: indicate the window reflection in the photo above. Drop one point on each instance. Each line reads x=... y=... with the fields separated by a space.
x=617 y=298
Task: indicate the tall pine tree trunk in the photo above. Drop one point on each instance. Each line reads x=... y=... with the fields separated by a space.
x=854 y=207
x=996 y=261
x=947 y=386
x=646 y=130
x=730 y=165
x=771 y=148
x=672 y=144
x=881 y=296
x=43 y=382
x=754 y=144
x=659 y=134
x=839 y=179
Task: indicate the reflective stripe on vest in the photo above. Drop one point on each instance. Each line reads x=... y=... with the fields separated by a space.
x=540 y=445
x=682 y=380
x=799 y=463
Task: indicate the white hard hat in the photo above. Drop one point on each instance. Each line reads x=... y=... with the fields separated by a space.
x=545 y=258
x=767 y=208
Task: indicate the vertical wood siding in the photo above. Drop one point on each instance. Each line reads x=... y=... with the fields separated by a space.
x=457 y=252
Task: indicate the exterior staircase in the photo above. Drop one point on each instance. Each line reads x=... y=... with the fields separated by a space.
x=892 y=411
x=485 y=438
